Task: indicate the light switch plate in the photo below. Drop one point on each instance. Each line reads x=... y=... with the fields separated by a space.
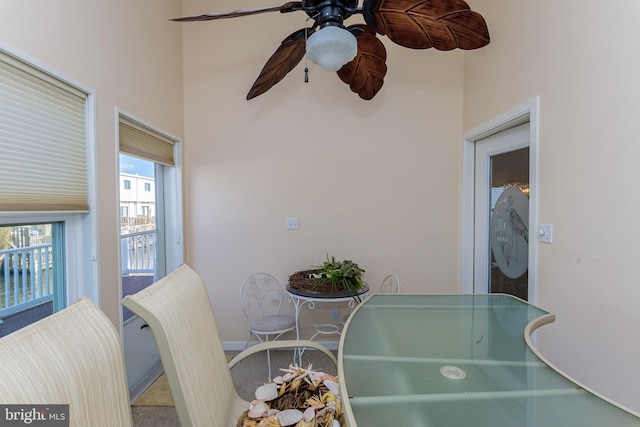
x=545 y=233
x=292 y=223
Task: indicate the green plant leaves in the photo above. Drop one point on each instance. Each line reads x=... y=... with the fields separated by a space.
x=346 y=272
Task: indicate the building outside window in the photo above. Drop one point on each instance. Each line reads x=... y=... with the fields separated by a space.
x=140 y=201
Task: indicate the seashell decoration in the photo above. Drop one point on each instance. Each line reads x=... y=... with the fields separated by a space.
x=320 y=413
x=300 y=397
x=288 y=417
x=288 y=376
x=332 y=386
x=319 y=376
x=267 y=392
x=308 y=414
x=258 y=410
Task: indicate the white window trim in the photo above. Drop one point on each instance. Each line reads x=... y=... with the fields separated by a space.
x=81 y=230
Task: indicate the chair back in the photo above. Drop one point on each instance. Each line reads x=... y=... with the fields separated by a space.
x=261 y=295
x=390 y=285
x=178 y=311
x=71 y=357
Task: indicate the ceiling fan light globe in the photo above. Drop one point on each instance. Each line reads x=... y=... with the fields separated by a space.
x=332 y=47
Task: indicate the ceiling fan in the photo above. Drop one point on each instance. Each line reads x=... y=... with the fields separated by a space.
x=355 y=52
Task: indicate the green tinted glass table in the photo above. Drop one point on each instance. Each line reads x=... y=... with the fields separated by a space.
x=458 y=360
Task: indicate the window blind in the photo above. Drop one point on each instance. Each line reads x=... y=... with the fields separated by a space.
x=43 y=143
x=138 y=141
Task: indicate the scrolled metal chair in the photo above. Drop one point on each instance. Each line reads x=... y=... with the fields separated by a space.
x=390 y=285
x=261 y=297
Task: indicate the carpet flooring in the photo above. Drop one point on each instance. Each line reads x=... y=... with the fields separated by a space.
x=155 y=406
x=158 y=394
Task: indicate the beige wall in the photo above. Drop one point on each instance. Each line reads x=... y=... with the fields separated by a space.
x=130 y=55
x=374 y=181
x=377 y=181
x=581 y=59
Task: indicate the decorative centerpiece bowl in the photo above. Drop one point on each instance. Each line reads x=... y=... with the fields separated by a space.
x=331 y=277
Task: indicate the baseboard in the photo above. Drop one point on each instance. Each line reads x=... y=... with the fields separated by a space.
x=137 y=391
x=241 y=345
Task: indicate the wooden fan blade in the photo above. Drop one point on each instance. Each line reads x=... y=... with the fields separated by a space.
x=422 y=24
x=291 y=6
x=285 y=59
x=365 y=74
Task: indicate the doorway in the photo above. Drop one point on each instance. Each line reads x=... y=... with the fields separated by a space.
x=502 y=213
x=500 y=205
x=150 y=216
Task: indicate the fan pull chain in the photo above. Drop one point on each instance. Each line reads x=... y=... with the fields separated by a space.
x=306 y=63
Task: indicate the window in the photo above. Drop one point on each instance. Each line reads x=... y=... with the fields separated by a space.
x=124 y=211
x=147 y=186
x=31 y=275
x=127 y=184
x=46 y=226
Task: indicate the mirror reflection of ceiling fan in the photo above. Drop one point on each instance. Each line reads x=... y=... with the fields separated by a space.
x=354 y=52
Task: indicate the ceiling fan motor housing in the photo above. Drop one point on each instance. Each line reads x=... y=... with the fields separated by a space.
x=329 y=12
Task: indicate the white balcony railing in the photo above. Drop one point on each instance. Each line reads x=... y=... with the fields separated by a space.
x=26 y=273
x=25 y=277
x=139 y=252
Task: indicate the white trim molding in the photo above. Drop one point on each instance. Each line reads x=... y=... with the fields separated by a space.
x=526 y=112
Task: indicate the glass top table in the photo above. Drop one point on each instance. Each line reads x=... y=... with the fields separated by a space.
x=458 y=360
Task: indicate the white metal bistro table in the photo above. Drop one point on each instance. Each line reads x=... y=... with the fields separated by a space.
x=302 y=297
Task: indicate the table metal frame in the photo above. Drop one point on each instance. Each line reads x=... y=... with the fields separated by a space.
x=300 y=301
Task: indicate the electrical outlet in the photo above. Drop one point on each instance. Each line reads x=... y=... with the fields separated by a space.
x=335 y=314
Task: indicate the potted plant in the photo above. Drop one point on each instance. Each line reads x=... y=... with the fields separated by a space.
x=330 y=277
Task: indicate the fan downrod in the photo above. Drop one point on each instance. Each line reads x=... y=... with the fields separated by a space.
x=330 y=12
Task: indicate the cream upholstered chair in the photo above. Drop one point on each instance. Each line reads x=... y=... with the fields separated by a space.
x=390 y=285
x=72 y=357
x=261 y=297
x=178 y=311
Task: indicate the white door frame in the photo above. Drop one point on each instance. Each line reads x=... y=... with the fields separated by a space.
x=140 y=349
x=526 y=112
